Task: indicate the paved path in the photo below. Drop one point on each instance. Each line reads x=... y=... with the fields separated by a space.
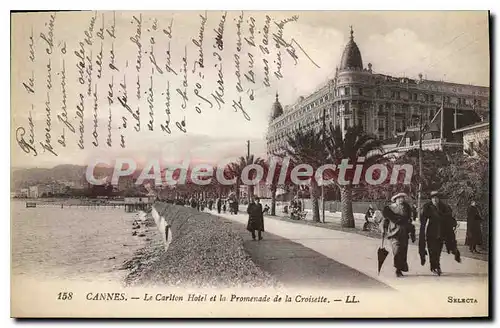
x=359 y=253
x=333 y=221
x=298 y=266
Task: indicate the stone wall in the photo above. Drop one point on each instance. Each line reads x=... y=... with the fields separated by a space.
x=198 y=249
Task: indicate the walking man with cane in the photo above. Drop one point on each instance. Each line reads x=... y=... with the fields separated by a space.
x=437 y=228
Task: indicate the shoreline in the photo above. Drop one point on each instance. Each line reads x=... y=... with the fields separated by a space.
x=134 y=266
x=82 y=244
x=205 y=253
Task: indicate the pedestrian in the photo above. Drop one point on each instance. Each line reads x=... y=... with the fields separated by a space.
x=397 y=227
x=193 y=203
x=473 y=236
x=368 y=215
x=224 y=206
x=231 y=206
x=219 y=205
x=266 y=208
x=236 y=206
x=437 y=228
x=210 y=204
x=255 y=218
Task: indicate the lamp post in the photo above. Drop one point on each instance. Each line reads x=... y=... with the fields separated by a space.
x=247 y=163
x=419 y=192
x=419 y=197
x=324 y=135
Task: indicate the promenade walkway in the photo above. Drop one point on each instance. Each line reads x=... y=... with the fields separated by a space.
x=332 y=221
x=359 y=253
x=295 y=265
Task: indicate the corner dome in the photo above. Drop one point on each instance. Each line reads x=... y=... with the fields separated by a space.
x=277 y=109
x=351 y=57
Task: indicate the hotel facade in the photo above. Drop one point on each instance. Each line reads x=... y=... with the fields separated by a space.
x=389 y=107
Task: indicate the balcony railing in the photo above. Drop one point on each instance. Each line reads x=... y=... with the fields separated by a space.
x=436 y=141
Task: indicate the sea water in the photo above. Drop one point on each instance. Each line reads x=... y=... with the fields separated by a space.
x=76 y=243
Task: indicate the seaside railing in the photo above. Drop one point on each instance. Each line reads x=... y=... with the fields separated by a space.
x=128 y=207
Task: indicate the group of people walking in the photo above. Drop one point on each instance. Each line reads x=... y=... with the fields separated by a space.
x=255 y=210
x=437 y=226
x=224 y=204
x=437 y=229
x=221 y=204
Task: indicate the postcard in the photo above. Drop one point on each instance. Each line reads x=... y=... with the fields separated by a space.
x=250 y=164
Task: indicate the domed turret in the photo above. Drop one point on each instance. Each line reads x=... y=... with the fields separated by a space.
x=351 y=57
x=277 y=109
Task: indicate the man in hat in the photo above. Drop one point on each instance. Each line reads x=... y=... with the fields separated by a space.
x=255 y=217
x=437 y=228
x=397 y=227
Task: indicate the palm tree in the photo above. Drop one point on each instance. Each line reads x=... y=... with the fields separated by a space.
x=307 y=147
x=432 y=160
x=236 y=168
x=354 y=144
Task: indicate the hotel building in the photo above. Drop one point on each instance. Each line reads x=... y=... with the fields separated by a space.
x=387 y=106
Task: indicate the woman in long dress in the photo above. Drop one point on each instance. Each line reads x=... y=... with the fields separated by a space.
x=474 y=236
x=397 y=227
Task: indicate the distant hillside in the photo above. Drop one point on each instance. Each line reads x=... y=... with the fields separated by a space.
x=22 y=178
x=25 y=177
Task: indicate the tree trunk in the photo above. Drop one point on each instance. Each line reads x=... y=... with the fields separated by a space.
x=347 y=220
x=250 y=189
x=314 y=191
x=273 y=199
x=237 y=191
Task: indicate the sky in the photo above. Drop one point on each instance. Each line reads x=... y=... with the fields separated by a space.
x=445 y=45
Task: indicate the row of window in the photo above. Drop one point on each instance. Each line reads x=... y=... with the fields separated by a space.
x=303 y=123
x=346 y=91
x=380 y=127
x=382 y=110
x=303 y=110
x=316 y=122
x=395 y=95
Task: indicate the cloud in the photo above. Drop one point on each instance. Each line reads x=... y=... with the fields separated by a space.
x=401 y=52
